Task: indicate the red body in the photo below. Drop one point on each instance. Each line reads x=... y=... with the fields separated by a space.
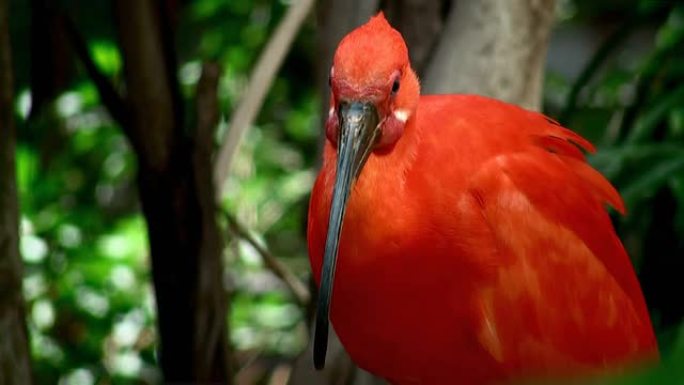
x=477 y=249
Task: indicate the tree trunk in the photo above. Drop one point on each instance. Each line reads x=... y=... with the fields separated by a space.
x=14 y=350
x=420 y=22
x=177 y=196
x=495 y=48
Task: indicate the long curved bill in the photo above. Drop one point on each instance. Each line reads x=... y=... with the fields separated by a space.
x=358 y=132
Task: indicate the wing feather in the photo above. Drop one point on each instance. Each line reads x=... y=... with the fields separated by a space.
x=545 y=207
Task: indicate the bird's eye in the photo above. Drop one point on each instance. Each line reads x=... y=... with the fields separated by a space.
x=395 y=87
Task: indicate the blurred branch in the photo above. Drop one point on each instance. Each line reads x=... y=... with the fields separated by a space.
x=207 y=117
x=207 y=105
x=281 y=375
x=261 y=79
x=177 y=199
x=154 y=125
x=298 y=289
x=167 y=12
x=260 y=82
x=51 y=65
x=15 y=361
x=111 y=99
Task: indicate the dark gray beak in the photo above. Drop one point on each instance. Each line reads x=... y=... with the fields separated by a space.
x=358 y=133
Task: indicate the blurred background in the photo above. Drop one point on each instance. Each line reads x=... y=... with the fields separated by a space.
x=121 y=108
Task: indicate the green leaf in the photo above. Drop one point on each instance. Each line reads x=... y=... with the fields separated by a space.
x=107 y=56
x=648 y=183
x=677 y=186
x=612 y=161
x=644 y=127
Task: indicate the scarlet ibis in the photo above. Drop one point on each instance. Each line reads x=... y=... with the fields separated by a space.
x=467 y=239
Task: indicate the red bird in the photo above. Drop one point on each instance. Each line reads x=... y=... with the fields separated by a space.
x=467 y=238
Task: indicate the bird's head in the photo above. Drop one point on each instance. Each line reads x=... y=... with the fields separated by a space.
x=374 y=94
x=371 y=75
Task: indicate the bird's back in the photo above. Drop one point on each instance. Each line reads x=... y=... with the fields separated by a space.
x=502 y=239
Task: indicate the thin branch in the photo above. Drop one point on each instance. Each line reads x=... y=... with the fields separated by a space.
x=260 y=82
x=167 y=13
x=298 y=289
x=15 y=365
x=149 y=90
x=207 y=104
x=207 y=113
x=261 y=79
x=111 y=99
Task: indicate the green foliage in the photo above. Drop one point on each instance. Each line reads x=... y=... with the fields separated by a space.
x=83 y=242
